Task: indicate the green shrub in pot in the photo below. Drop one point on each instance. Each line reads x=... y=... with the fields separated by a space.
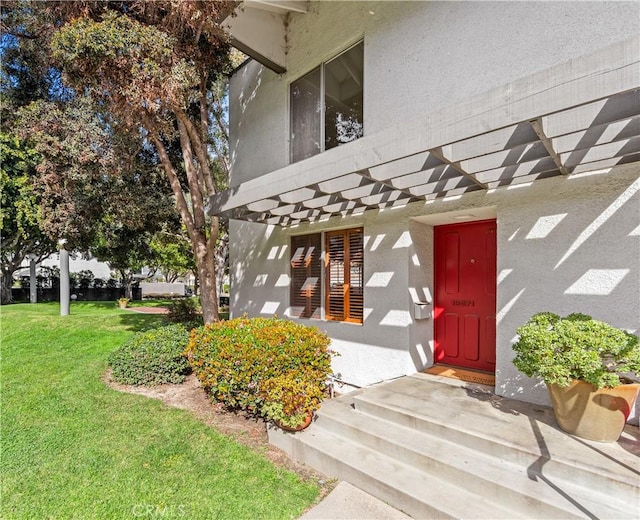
x=590 y=369
x=560 y=350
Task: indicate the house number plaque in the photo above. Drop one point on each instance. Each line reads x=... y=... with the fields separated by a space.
x=463 y=303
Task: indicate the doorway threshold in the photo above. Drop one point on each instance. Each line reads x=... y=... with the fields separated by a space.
x=462 y=374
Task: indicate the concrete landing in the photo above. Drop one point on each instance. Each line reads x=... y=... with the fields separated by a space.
x=347 y=502
x=434 y=447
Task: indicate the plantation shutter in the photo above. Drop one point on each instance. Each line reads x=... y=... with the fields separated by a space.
x=345 y=275
x=335 y=308
x=356 y=275
x=306 y=270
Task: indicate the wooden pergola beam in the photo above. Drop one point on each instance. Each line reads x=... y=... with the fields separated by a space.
x=548 y=145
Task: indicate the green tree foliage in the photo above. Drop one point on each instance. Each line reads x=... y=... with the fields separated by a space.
x=147 y=75
x=172 y=252
x=20 y=217
x=75 y=157
x=99 y=190
x=24 y=77
x=26 y=73
x=155 y=65
x=137 y=205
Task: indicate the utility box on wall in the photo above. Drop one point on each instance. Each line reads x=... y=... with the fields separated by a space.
x=421 y=310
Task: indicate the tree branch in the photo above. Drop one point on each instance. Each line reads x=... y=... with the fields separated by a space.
x=201 y=152
x=194 y=185
x=174 y=181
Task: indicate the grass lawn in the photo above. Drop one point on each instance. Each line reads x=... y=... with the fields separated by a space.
x=74 y=448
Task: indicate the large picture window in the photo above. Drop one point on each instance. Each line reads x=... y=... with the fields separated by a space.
x=343 y=275
x=326 y=105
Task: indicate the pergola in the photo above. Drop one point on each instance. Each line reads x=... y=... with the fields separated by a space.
x=579 y=117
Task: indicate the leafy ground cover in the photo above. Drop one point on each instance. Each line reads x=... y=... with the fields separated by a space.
x=74 y=448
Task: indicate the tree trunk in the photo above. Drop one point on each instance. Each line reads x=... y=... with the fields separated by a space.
x=5 y=289
x=127 y=282
x=205 y=263
x=193 y=213
x=208 y=296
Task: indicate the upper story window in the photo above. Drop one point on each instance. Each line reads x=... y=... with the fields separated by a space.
x=326 y=105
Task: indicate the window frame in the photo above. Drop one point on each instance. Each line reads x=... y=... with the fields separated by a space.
x=323 y=237
x=322 y=135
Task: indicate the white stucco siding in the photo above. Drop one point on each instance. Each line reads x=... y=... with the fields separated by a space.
x=564 y=245
x=258 y=272
x=567 y=245
x=372 y=352
x=419 y=57
x=258 y=123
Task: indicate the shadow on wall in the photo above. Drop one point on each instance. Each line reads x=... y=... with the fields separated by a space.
x=569 y=260
x=564 y=245
x=575 y=249
x=260 y=258
x=260 y=286
x=249 y=121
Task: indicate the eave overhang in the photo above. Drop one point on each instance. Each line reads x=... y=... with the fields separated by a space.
x=577 y=117
x=258 y=29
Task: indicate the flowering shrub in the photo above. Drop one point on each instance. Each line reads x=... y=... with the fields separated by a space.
x=153 y=357
x=241 y=362
x=288 y=399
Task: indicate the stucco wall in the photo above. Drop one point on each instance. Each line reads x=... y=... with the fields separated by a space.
x=568 y=245
x=419 y=57
x=564 y=245
x=372 y=352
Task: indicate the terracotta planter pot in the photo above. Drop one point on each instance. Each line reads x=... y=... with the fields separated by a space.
x=298 y=428
x=595 y=414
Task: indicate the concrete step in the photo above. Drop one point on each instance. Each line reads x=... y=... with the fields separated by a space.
x=437 y=449
x=495 y=479
x=509 y=430
x=417 y=493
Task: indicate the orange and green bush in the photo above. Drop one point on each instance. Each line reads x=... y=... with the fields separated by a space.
x=289 y=399
x=248 y=363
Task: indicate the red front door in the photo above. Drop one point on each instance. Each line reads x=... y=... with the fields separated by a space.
x=465 y=295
